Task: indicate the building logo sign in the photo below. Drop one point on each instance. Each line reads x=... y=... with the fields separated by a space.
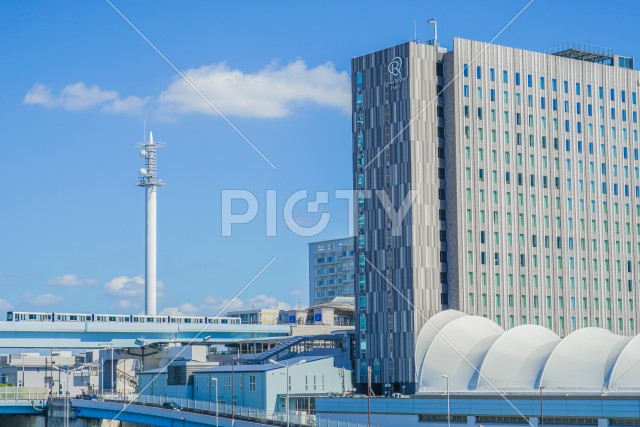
x=395 y=69
x=395 y=66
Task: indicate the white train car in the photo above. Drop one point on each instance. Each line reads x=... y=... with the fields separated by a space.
x=107 y=318
x=25 y=316
x=187 y=319
x=72 y=317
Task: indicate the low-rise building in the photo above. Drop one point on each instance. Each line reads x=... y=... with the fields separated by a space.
x=50 y=371
x=260 y=316
x=173 y=380
x=264 y=386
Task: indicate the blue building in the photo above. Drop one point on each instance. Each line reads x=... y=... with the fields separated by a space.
x=264 y=386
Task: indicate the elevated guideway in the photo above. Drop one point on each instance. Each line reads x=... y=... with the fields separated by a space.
x=94 y=334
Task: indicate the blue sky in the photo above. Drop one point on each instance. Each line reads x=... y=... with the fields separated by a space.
x=78 y=84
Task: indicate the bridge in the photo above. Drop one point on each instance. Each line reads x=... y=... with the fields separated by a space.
x=94 y=335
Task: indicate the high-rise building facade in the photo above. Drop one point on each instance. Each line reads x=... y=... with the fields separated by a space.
x=400 y=264
x=331 y=270
x=525 y=173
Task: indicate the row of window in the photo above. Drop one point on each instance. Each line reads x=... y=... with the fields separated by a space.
x=549 y=302
x=543 y=123
x=554 y=84
x=554 y=107
x=626 y=154
x=573 y=325
x=558 y=284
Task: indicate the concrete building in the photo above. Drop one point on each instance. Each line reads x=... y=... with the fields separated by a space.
x=260 y=316
x=514 y=179
x=331 y=270
x=49 y=371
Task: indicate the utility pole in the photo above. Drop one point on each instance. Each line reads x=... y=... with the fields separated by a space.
x=541 y=413
x=233 y=406
x=369 y=396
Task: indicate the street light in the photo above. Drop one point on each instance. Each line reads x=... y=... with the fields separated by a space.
x=448 y=407
x=214 y=380
x=66 y=402
x=541 y=413
x=287 y=370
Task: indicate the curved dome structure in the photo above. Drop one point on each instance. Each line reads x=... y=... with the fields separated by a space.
x=457 y=350
x=583 y=360
x=516 y=359
x=429 y=332
x=478 y=355
x=625 y=373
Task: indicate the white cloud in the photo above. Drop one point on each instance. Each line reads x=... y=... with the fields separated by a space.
x=269 y=93
x=272 y=92
x=70 y=280
x=79 y=96
x=126 y=288
x=185 y=309
x=214 y=305
x=5 y=305
x=42 y=300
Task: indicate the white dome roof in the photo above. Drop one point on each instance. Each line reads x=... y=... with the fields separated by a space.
x=478 y=355
x=583 y=360
x=625 y=373
x=456 y=351
x=524 y=350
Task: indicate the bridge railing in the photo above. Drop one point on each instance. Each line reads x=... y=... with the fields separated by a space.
x=245 y=412
x=13 y=393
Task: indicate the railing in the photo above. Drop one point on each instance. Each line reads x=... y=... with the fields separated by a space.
x=296 y=418
x=23 y=393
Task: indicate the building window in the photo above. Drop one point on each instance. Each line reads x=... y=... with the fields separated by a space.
x=252 y=383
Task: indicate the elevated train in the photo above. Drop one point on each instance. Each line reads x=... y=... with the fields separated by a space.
x=26 y=316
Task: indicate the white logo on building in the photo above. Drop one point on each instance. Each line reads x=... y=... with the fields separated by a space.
x=395 y=69
x=395 y=66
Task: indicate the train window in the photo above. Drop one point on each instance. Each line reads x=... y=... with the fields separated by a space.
x=112 y=318
x=32 y=317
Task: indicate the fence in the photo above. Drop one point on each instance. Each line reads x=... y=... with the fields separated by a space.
x=23 y=393
x=248 y=413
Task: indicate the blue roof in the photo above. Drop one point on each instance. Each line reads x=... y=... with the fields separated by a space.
x=154 y=371
x=262 y=367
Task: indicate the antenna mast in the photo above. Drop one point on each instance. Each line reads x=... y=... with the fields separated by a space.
x=150 y=182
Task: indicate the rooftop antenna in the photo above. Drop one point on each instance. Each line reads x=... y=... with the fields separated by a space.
x=435 y=31
x=415 y=31
x=150 y=182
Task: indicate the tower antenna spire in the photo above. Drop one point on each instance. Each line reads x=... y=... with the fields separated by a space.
x=150 y=182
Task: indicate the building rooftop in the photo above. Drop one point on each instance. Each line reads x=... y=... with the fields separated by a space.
x=264 y=367
x=583 y=52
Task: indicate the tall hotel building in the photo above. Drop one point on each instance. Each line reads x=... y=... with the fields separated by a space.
x=526 y=175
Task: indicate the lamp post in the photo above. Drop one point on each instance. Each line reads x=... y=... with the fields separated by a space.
x=446 y=377
x=287 y=383
x=66 y=404
x=368 y=396
x=233 y=406
x=541 y=413
x=215 y=380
